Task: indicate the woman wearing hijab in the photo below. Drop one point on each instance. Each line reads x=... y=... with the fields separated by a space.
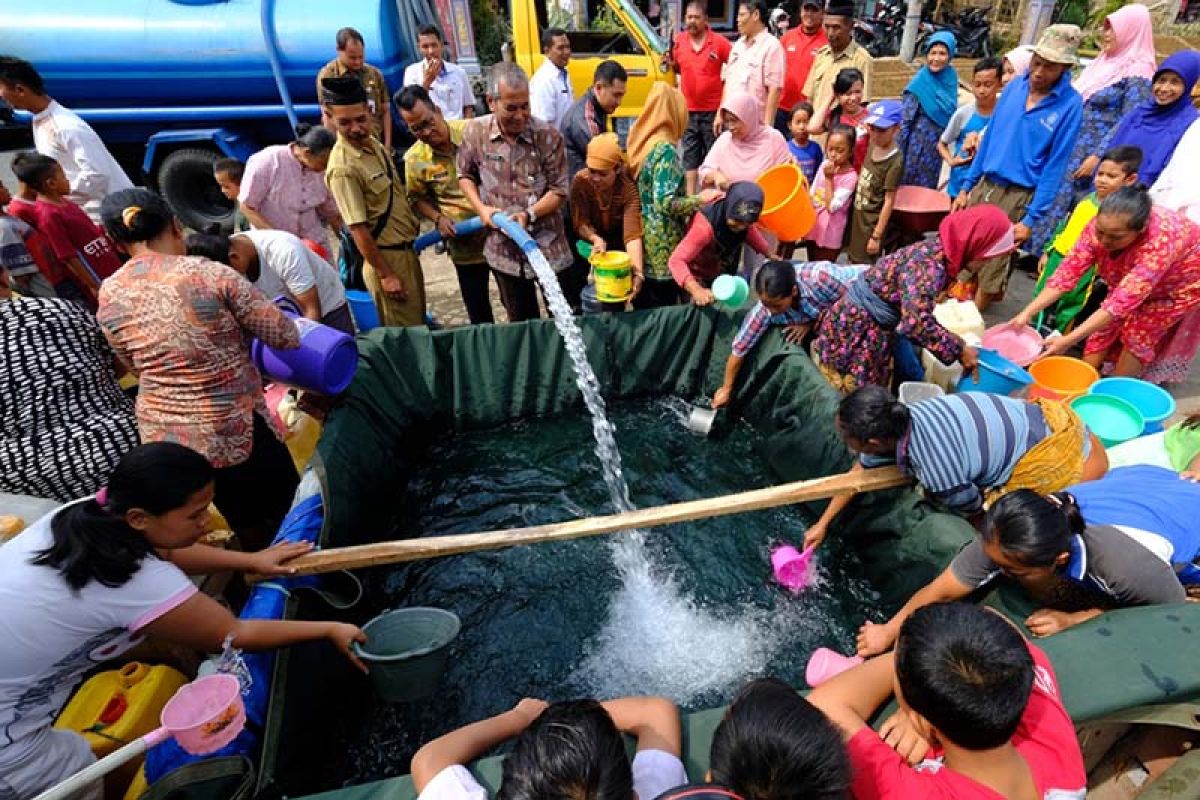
x=746 y=149
x=1112 y=86
x=1157 y=125
x=714 y=239
x=1016 y=63
x=1150 y=259
x=655 y=163
x=605 y=208
x=929 y=101
x=896 y=296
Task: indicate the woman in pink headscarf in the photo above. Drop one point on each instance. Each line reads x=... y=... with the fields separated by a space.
x=746 y=149
x=1112 y=86
x=1016 y=63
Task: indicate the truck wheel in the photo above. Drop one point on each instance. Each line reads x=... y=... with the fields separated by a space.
x=186 y=182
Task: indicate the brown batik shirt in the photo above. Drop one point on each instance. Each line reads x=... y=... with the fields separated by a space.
x=512 y=176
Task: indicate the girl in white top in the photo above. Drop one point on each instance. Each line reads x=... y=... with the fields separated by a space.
x=89 y=581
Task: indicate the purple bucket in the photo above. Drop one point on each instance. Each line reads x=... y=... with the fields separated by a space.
x=324 y=362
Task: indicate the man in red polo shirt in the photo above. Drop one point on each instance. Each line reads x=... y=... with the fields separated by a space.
x=800 y=45
x=698 y=55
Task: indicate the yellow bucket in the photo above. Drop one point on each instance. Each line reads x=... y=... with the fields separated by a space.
x=613 y=276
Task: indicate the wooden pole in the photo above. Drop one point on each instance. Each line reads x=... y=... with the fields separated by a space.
x=394 y=552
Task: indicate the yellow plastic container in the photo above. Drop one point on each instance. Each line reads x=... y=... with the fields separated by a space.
x=613 y=276
x=139 y=786
x=118 y=706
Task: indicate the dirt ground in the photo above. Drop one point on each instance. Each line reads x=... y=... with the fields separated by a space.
x=442 y=294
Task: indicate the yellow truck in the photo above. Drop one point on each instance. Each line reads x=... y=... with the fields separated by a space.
x=615 y=29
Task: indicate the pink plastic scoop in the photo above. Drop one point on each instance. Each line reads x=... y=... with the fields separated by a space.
x=203 y=716
x=793 y=569
x=825 y=664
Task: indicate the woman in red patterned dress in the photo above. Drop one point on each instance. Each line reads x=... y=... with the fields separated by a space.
x=1150 y=259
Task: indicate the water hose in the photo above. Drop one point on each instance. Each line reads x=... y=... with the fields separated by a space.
x=464 y=228
x=512 y=230
x=267 y=21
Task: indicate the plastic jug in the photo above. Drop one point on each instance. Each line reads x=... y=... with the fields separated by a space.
x=963 y=319
x=960 y=317
x=325 y=361
x=118 y=706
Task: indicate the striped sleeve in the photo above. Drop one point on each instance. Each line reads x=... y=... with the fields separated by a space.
x=941 y=458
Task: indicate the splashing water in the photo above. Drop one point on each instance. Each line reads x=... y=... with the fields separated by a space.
x=656 y=640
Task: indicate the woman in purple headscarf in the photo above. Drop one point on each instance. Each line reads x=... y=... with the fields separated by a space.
x=1157 y=125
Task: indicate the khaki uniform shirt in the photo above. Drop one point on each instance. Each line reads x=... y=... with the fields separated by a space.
x=819 y=86
x=372 y=80
x=358 y=181
x=512 y=177
x=434 y=176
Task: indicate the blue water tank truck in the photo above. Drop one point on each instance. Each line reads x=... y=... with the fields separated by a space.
x=173 y=85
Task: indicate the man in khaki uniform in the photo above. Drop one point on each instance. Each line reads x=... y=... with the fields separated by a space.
x=351 y=60
x=840 y=53
x=364 y=182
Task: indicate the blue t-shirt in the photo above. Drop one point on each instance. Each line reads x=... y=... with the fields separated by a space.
x=1152 y=499
x=808 y=158
x=966 y=120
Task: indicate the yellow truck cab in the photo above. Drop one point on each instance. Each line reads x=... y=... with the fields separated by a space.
x=612 y=29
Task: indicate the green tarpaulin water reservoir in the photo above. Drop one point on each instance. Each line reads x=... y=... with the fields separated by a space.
x=415 y=386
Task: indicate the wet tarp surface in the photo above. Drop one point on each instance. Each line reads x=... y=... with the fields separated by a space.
x=413 y=384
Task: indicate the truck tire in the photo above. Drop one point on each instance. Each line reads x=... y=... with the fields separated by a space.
x=186 y=182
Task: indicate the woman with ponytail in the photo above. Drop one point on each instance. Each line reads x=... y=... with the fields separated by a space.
x=183 y=324
x=1128 y=539
x=89 y=581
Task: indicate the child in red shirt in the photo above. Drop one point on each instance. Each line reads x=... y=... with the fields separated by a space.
x=73 y=238
x=996 y=715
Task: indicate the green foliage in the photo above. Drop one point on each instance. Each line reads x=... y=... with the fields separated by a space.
x=491 y=31
x=1075 y=12
x=607 y=22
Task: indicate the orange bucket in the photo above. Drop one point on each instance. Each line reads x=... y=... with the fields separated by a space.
x=1061 y=378
x=787 y=209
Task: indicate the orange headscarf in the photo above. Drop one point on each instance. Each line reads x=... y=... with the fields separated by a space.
x=604 y=152
x=664 y=119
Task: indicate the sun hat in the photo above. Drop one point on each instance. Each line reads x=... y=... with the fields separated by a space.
x=1059 y=44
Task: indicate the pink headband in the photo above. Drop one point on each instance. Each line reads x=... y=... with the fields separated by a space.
x=102 y=496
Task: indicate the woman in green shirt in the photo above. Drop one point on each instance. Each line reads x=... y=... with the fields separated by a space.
x=653 y=154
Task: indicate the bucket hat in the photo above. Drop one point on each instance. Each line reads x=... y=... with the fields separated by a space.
x=1059 y=44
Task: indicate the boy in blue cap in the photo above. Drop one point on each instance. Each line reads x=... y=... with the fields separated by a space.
x=877 y=183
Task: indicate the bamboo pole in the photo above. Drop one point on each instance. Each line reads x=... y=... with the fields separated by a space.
x=394 y=552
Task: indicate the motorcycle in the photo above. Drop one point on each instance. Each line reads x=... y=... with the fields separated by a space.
x=880 y=35
x=970 y=27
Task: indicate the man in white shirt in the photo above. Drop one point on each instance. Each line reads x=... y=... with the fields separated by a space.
x=60 y=134
x=279 y=263
x=550 y=93
x=446 y=83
